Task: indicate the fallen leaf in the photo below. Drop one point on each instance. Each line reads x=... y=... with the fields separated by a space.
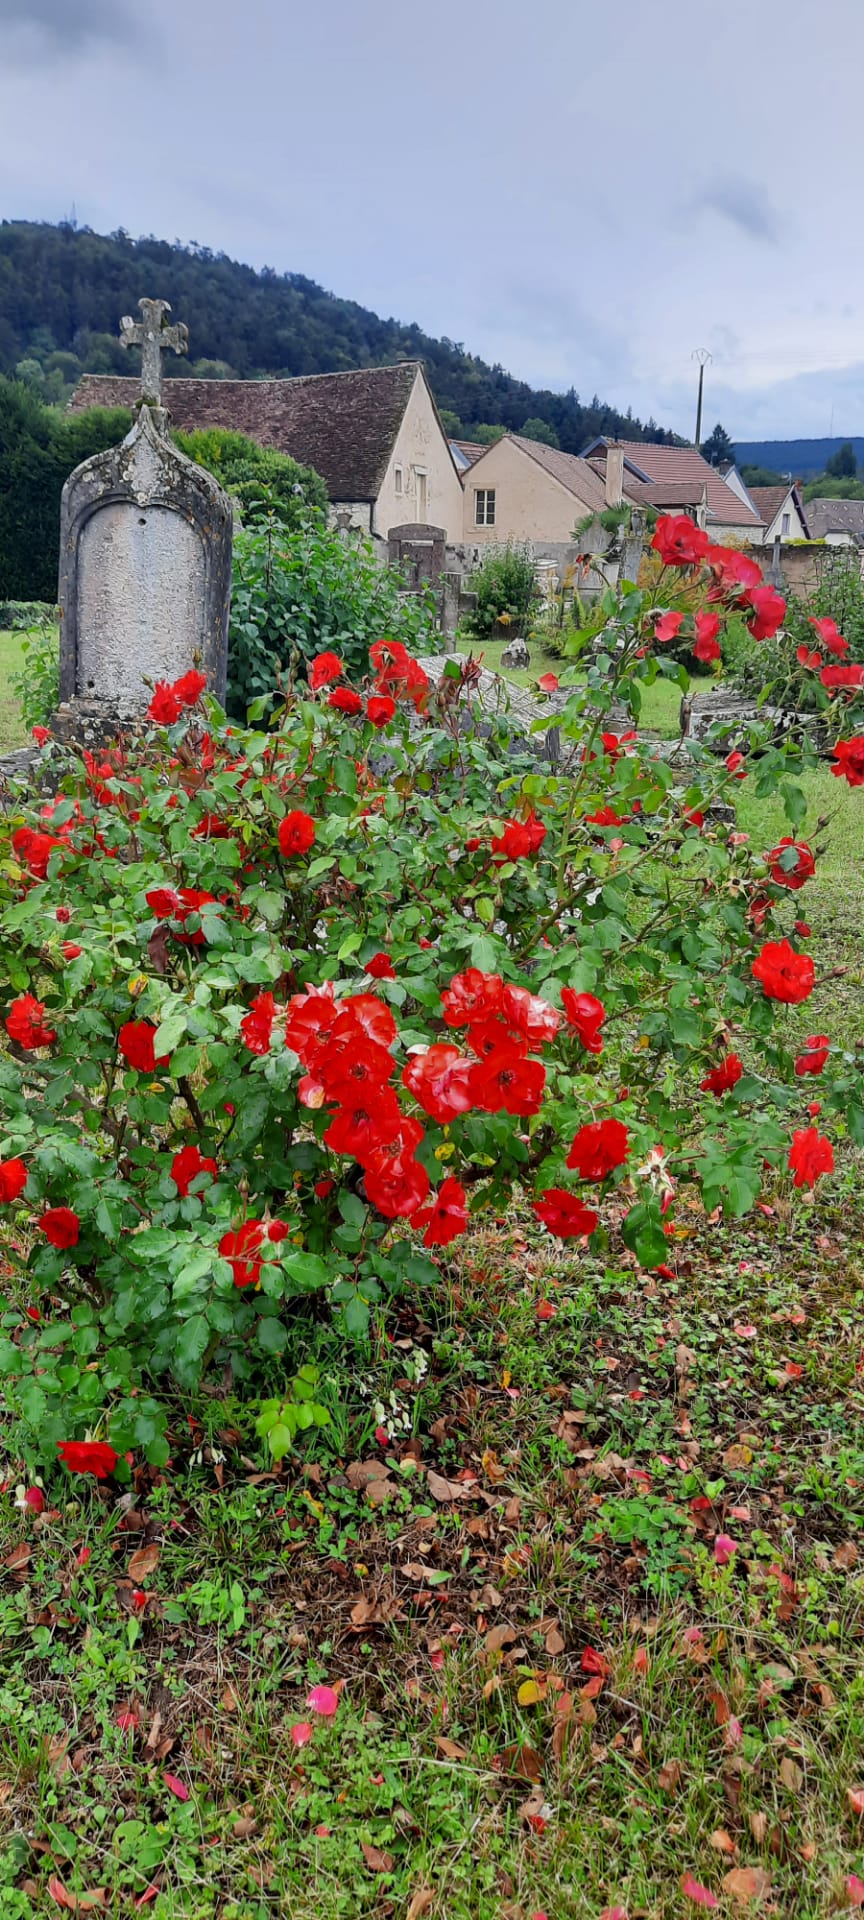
x=737 y=1457
x=361 y=1472
x=523 y=1763
x=694 y=1890
x=17 y=1559
x=230 y=1699
x=446 y=1490
x=846 y=1557
x=554 y=1641
x=758 y=1824
x=423 y=1899
x=791 y=1775
x=855 y=1797
x=175 y=1786
x=145 y=1560
x=376 y=1861
x=721 y=1841
x=747 y=1883
x=378 y=1491
x=499 y=1637
x=530 y=1692
x=244 y=1828
x=451 y=1749
x=669 y=1777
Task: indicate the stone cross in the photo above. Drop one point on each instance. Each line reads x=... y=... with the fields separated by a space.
x=154 y=336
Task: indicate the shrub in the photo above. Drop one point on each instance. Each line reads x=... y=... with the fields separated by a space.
x=298 y=594
x=17 y=615
x=507 y=591
x=38 y=683
x=278 y=1026
x=262 y=480
x=787 y=669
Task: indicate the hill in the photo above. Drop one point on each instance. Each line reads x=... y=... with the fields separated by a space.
x=801 y=458
x=64 y=288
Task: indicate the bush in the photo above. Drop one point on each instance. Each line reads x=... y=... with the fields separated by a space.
x=787 y=668
x=38 y=450
x=17 y=615
x=262 y=480
x=298 y=594
x=226 y=952
x=507 y=592
x=38 y=683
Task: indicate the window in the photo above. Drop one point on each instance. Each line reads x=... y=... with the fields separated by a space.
x=484 y=507
x=397 y=479
x=785 y=524
x=420 y=493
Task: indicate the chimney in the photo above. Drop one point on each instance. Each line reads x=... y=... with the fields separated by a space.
x=614 y=474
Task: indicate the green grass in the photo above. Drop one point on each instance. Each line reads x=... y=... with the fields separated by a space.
x=12 y=730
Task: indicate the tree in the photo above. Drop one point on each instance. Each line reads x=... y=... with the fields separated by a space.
x=842 y=464
x=485 y=435
x=452 y=424
x=718 y=448
x=261 y=479
x=539 y=430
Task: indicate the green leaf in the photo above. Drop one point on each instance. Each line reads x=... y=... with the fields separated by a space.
x=272 y=1336
x=192 y=1338
x=307 y=1272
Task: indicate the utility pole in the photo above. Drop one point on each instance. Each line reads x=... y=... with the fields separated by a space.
x=702 y=358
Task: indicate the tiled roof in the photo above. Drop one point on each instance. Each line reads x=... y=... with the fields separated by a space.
x=835 y=516
x=342 y=424
x=683 y=471
x=470 y=450
x=769 y=500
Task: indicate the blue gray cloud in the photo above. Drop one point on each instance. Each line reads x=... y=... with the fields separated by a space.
x=743 y=202
x=68 y=26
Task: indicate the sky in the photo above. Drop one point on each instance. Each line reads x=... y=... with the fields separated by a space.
x=581 y=190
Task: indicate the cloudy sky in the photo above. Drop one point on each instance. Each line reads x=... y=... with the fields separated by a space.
x=585 y=191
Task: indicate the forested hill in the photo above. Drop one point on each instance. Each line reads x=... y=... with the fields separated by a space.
x=64 y=289
x=801 y=458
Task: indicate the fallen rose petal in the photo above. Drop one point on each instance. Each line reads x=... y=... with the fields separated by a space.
x=724 y=1548
x=34 y=1498
x=323 y=1700
x=175 y=1786
x=126 y=1720
x=694 y=1890
x=301 y=1733
x=613 y=1913
x=854 y=1891
x=150 y=1893
x=323 y=1833
x=855 y=1798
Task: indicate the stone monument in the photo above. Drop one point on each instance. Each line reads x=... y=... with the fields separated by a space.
x=145 y=559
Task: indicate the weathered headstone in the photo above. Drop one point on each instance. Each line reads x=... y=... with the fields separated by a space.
x=145 y=558
x=420 y=551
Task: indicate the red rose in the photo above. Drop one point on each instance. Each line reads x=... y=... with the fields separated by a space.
x=832 y=640
x=507 y=1082
x=784 y=974
x=186 y=1167
x=70 y=950
x=189 y=687
x=849 y=755
x=324 y=668
x=309 y=1017
x=438 y=1079
x=88 y=1456
x=529 y=1017
x=769 y=612
x=164 y=707
x=395 y=1182
x=598 y=1148
x=446 y=1218
x=808 y=659
x=586 y=1014
x=296 y=833
x=257 y=1025
x=707 y=646
x=809 y=1156
x=792 y=863
x=731 y=570
x=606 y=817
x=369 y=1122
x=238 y=1247
x=34 y=849
x=471 y=997
x=61 y=1226
x=723 y=1078
x=520 y=838
x=63 y=916
x=135 y=1041
x=366 y=1014
x=349 y=1062
x=25 y=1024
x=345 y=700
x=564 y=1214
x=548 y=683
x=380 y=709
x=735 y=765
x=679 y=542
x=668 y=627
x=41 y=735
x=164 y=902
x=380 y=967
x=842 y=677
x=13 y=1180
x=816 y=1053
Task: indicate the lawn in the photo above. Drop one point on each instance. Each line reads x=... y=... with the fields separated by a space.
x=12 y=731
x=661 y=703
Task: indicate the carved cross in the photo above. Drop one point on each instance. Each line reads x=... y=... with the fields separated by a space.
x=154 y=336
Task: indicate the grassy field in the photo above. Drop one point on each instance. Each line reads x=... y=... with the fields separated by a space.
x=12 y=732
x=660 y=711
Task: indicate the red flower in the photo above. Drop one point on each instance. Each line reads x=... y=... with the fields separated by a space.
x=507 y=1082
x=239 y=1247
x=351 y=1063
x=668 y=627
x=789 y=872
x=366 y=1014
x=606 y=817
x=61 y=1226
x=548 y=683
x=808 y=659
x=135 y=1041
x=735 y=765
x=731 y=570
x=707 y=646
x=586 y=1014
x=815 y=1056
x=471 y=997
x=723 y=1078
x=257 y=1025
x=186 y=1167
x=809 y=1156
x=784 y=974
x=345 y=700
x=13 y=1180
x=380 y=967
x=34 y=849
x=25 y=1024
x=769 y=612
x=310 y=1016
x=564 y=1214
x=70 y=950
x=830 y=636
x=324 y=668
x=598 y=1148
x=372 y=1119
x=164 y=902
x=296 y=833
x=164 y=707
x=397 y=673
x=446 y=1218
x=189 y=687
x=679 y=542
x=41 y=735
x=520 y=838
x=529 y=1017
x=395 y=1182
x=88 y=1456
x=849 y=755
x=438 y=1079
x=842 y=677
x=380 y=709
x=63 y=916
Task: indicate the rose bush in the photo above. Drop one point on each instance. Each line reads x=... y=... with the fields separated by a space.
x=285 y=1007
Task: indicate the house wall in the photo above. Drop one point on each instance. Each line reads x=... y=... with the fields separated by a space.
x=796 y=529
x=529 y=503
x=421 y=443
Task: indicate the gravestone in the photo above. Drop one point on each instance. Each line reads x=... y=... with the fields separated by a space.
x=420 y=553
x=145 y=559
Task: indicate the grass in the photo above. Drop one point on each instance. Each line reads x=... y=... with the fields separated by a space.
x=661 y=702
x=12 y=730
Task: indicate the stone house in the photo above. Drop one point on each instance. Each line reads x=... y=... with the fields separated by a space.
x=678 y=480
x=783 y=512
x=522 y=490
x=840 y=523
x=374 y=435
